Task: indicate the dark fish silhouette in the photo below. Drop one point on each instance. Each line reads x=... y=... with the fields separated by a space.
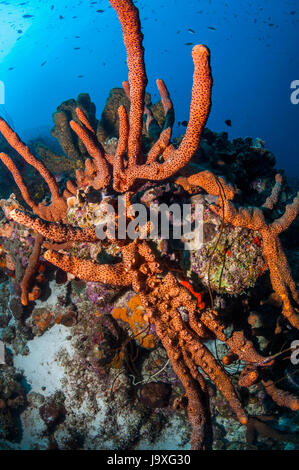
x=191 y=31
x=100 y=11
x=212 y=28
x=43 y=63
x=189 y=43
x=28 y=16
x=228 y=123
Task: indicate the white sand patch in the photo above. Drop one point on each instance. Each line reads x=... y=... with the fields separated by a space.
x=40 y=366
x=57 y=290
x=172 y=438
x=33 y=429
x=54 y=365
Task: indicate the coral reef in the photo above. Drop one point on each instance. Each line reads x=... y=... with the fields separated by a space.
x=237 y=261
x=134 y=316
x=166 y=301
x=12 y=399
x=74 y=151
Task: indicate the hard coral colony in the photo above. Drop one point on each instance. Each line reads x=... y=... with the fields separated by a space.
x=181 y=319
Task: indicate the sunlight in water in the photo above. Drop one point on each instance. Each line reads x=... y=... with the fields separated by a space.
x=13 y=26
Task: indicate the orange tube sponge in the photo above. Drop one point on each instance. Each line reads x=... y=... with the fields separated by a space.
x=57 y=232
x=31 y=268
x=94 y=148
x=281 y=397
x=280 y=273
x=90 y=271
x=199 y=112
x=57 y=209
x=129 y=18
x=212 y=184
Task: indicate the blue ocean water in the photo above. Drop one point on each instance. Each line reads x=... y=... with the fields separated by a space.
x=51 y=51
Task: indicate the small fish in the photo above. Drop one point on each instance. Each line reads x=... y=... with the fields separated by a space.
x=189 y=43
x=292 y=13
x=257 y=241
x=28 y=16
x=52 y=7
x=20 y=31
x=228 y=123
x=191 y=31
x=184 y=123
x=80 y=76
x=197 y=295
x=11 y=68
x=43 y=63
x=212 y=28
x=61 y=17
x=100 y=11
x=76 y=48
